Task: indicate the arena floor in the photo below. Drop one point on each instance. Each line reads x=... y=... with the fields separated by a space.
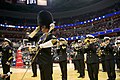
x=72 y=74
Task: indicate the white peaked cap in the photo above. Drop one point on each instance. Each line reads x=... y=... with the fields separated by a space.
x=90 y=36
x=107 y=38
x=5 y=39
x=62 y=39
x=79 y=40
x=118 y=41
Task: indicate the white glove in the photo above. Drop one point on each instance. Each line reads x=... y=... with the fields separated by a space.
x=40 y=46
x=46 y=44
x=8 y=63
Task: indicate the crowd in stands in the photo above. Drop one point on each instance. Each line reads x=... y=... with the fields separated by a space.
x=92 y=27
x=89 y=16
x=14 y=33
x=15 y=29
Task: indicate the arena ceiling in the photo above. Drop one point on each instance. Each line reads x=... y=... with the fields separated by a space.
x=59 y=8
x=53 y=5
x=67 y=5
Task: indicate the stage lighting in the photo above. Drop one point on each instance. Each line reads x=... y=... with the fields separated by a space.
x=99 y=17
x=103 y=16
x=77 y=37
x=114 y=12
x=91 y=20
x=85 y=22
x=88 y=20
x=95 y=18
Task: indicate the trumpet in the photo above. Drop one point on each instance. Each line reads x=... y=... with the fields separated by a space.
x=86 y=43
x=99 y=52
x=104 y=44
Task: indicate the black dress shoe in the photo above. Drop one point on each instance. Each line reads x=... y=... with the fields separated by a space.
x=34 y=76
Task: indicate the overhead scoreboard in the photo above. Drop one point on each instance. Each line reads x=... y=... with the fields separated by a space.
x=37 y=2
x=29 y=2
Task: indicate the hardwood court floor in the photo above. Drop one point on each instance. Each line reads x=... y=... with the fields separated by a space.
x=72 y=74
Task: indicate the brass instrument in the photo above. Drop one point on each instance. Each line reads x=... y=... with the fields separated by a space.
x=32 y=49
x=61 y=42
x=86 y=42
x=99 y=52
x=76 y=46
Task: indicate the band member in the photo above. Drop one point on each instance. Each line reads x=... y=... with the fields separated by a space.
x=6 y=56
x=34 y=62
x=61 y=51
x=103 y=61
x=118 y=54
x=103 y=58
x=73 y=46
x=109 y=58
x=79 y=58
x=92 y=59
x=44 y=57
